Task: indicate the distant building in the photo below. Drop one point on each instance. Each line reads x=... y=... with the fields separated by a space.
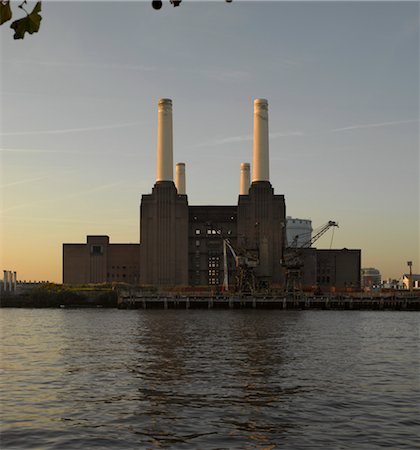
x=98 y=261
x=181 y=244
x=8 y=284
x=371 y=278
x=405 y=280
x=299 y=229
x=392 y=284
x=329 y=268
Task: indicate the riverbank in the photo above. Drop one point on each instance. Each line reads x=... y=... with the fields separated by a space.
x=58 y=296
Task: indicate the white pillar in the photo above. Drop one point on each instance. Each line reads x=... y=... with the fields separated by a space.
x=14 y=282
x=5 y=280
x=245 y=179
x=164 y=141
x=260 y=158
x=180 y=178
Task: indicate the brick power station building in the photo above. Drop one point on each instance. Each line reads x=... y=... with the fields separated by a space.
x=183 y=245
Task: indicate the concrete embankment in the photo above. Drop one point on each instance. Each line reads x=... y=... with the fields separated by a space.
x=58 y=296
x=267 y=302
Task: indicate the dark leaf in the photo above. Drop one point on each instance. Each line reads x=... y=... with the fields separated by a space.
x=5 y=12
x=30 y=23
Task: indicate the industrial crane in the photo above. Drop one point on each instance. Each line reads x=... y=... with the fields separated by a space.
x=293 y=262
x=245 y=263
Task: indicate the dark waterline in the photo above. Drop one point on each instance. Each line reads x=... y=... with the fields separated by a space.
x=209 y=379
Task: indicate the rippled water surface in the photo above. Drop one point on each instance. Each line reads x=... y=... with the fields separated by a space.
x=74 y=379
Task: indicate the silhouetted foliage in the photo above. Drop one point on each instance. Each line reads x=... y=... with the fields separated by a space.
x=5 y=12
x=58 y=296
x=29 y=24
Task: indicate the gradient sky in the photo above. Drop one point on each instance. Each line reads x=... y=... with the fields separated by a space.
x=79 y=108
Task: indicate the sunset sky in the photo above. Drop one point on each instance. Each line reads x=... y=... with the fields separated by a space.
x=79 y=109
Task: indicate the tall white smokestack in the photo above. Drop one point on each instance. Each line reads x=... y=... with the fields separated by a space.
x=165 y=170
x=180 y=178
x=14 y=281
x=5 y=280
x=245 y=179
x=260 y=161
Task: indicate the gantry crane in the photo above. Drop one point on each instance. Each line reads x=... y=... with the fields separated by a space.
x=293 y=261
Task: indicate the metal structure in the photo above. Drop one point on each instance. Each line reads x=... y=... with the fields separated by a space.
x=410 y=280
x=245 y=262
x=293 y=262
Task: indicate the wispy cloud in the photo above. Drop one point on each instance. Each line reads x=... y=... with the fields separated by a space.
x=286 y=134
x=37 y=150
x=120 y=221
x=85 y=192
x=247 y=138
x=375 y=125
x=93 y=65
x=72 y=130
x=225 y=74
x=28 y=180
x=49 y=176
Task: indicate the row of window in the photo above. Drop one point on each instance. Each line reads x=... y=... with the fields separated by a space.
x=211 y=231
x=231 y=218
x=323 y=279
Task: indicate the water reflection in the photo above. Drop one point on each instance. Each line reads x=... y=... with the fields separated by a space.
x=214 y=375
x=208 y=379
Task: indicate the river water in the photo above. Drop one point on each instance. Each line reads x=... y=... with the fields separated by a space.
x=90 y=379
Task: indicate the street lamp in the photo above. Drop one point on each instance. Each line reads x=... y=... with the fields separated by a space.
x=410 y=280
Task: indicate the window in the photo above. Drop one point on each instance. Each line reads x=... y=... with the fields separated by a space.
x=197 y=243
x=96 y=250
x=197 y=231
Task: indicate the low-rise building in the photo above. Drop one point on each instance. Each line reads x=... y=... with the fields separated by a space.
x=371 y=278
x=405 y=280
x=99 y=261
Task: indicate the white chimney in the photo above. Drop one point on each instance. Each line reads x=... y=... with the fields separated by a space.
x=245 y=179
x=180 y=178
x=164 y=141
x=14 y=282
x=260 y=159
x=7 y=286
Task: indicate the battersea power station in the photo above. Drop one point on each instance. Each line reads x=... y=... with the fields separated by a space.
x=184 y=245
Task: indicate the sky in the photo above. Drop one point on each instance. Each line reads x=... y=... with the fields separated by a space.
x=79 y=119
